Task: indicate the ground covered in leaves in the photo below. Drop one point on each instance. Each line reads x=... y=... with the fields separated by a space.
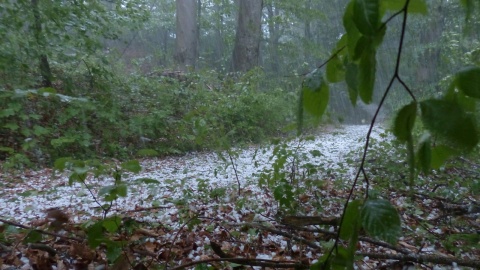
x=270 y=207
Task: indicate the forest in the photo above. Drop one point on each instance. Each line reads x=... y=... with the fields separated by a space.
x=239 y=134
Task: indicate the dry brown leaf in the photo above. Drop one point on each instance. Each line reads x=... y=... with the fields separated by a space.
x=82 y=251
x=151 y=247
x=122 y=263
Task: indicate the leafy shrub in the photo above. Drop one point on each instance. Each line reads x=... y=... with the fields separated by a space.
x=118 y=116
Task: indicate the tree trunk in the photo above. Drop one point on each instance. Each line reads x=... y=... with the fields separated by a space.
x=248 y=35
x=219 y=48
x=44 y=65
x=186 y=50
x=274 y=36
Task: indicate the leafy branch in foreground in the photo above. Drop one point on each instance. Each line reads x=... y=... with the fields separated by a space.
x=448 y=121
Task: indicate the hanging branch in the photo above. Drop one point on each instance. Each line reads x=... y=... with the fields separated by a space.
x=396 y=76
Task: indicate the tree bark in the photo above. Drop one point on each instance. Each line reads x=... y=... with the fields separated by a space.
x=248 y=35
x=219 y=48
x=274 y=36
x=186 y=50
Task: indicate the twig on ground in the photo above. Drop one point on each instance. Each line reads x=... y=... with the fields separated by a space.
x=248 y=261
x=437 y=259
x=40 y=231
x=278 y=232
x=141 y=209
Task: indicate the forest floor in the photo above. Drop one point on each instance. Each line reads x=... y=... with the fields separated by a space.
x=224 y=210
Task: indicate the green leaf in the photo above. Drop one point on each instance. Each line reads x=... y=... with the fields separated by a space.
x=112 y=224
x=316 y=153
x=415 y=6
x=440 y=154
x=114 y=251
x=315 y=94
x=468 y=81
x=7 y=112
x=342 y=259
x=47 y=90
x=95 y=234
x=11 y=126
x=469 y=104
x=405 y=121
x=39 y=130
x=7 y=150
x=351 y=78
x=381 y=220
x=33 y=237
x=366 y=15
x=351 y=220
x=61 y=163
x=113 y=192
x=363 y=44
x=61 y=141
x=424 y=154
x=79 y=175
x=377 y=40
x=131 y=166
x=204 y=266
x=366 y=75
x=448 y=120
x=283 y=194
x=335 y=70
x=352 y=34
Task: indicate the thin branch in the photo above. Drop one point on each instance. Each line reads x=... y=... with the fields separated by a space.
x=406 y=87
x=40 y=231
x=175 y=239
x=141 y=209
x=331 y=57
x=248 y=261
x=437 y=259
x=422 y=259
x=372 y=124
x=324 y=63
x=361 y=238
x=236 y=173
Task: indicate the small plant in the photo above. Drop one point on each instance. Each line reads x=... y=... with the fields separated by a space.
x=83 y=171
x=87 y=172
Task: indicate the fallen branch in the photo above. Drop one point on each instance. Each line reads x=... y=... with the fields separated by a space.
x=415 y=258
x=51 y=251
x=310 y=220
x=418 y=258
x=322 y=231
x=40 y=231
x=249 y=262
x=142 y=209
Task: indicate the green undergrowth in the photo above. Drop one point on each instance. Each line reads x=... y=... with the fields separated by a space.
x=138 y=115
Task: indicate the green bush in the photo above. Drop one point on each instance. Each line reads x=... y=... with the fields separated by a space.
x=116 y=117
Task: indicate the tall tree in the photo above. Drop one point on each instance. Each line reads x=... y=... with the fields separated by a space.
x=44 y=66
x=248 y=35
x=273 y=34
x=186 y=51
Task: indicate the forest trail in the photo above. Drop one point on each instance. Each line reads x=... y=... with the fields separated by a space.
x=24 y=198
